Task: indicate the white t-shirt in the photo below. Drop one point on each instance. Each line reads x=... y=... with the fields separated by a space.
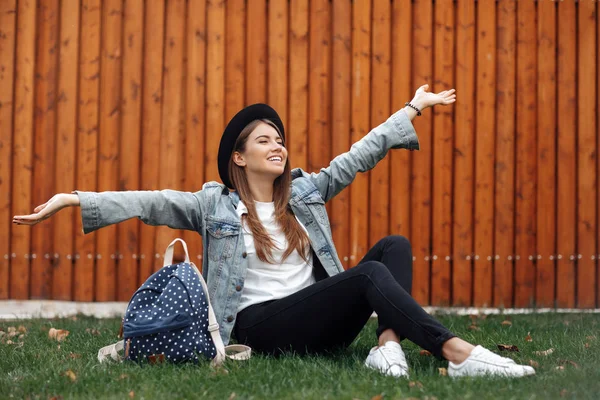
x=266 y=281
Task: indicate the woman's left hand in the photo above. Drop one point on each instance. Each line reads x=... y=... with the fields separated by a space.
x=424 y=99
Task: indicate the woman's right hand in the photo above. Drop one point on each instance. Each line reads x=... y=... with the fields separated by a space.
x=48 y=209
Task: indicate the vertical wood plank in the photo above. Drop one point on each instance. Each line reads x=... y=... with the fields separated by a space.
x=422 y=161
x=215 y=86
x=402 y=90
x=152 y=100
x=66 y=128
x=256 y=52
x=566 y=156
x=442 y=155
x=298 y=117
x=195 y=107
x=587 y=154
x=319 y=107
x=129 y=143
x=546 y=155
x=87 y=142
x=235 y=59
x=526 y=157
x=108 y=141
x=8 y=19
x=278 y=58
x=464 y=148
x=484 y=153
x=171 y=141
x=598 y=172
x=379 y=185
x=341 y=91
x=44 y=143
x=361 y=124
x=505 y=156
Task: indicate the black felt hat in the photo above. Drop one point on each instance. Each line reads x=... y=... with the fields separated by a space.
x=235 y=127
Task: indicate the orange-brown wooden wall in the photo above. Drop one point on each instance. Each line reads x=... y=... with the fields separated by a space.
x=501 y=204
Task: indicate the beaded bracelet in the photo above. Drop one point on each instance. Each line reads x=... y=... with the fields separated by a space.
x=414 y=108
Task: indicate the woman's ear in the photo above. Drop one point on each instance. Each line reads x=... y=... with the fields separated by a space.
x=238 y=159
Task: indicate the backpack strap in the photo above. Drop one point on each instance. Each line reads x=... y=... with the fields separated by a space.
x=234 y=351
x=168 y=260
x=111 y=351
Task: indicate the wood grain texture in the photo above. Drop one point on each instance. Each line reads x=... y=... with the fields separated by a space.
x=422 y=161
x=152 y=101
x=484 y=153
x=66 y=146
x=297 y=128
x=278 y=56
x=526 y=156
x=128 y=232
x=87 y=142
x=402 y=91
x=340 y=118
x=235 y=59
x=566 y=155
x=546 y=156
x=464 y=148
x=256 y=51
x=379 y=184
x=195 y=117
x=504 y=211
x=360 y=125
x=172 y=129
x=587 y=154
x=108 y=142
x=443 y=79
x=8 y=22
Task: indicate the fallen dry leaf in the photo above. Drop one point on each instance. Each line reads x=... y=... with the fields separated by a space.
x=528 y=338
x=91 y=331
x=22 y=329
x=474 y=327
x=590 y=337
x=156 y=359
x=443 y=371
x=55 y=398
x=508 y=347
x=544 y=353
x=58 y=334
x=534 y=364
x=506 y=323
x=122 y=376
x=565 y=362
x=415 y=383
x=377 y=397
x=12 y=334
x=563 y=393
x=586 y=345
x=70 y=374
x=74 y=356
x=9 y=342
x=560 y=367
x=131 y=394
x=232 y=396
x=424 y=353
x=11 y=329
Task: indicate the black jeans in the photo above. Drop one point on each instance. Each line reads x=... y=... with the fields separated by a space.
x=330 y=313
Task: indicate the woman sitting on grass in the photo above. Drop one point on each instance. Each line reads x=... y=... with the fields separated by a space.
x=274 y=277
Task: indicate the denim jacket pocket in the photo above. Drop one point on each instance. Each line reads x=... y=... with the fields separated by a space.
x=316 y=206
x=223 y=236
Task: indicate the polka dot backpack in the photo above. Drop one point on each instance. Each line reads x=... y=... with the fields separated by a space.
x=169 y=318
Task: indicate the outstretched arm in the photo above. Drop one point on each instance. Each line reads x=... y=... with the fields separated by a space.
x=178 y=210
x=397 y=132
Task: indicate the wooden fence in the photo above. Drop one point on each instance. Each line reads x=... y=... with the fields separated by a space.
x=500 y=204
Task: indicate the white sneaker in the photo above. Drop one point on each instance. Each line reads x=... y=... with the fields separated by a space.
x=388 y=359
x=483 y=362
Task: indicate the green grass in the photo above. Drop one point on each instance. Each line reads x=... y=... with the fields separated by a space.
x=36 y=368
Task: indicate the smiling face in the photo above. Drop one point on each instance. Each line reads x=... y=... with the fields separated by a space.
x=263 y=154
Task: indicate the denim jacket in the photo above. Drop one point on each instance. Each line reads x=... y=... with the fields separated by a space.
x=212 y=213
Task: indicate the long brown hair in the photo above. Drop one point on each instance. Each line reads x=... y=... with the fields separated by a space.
x=296 y=237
